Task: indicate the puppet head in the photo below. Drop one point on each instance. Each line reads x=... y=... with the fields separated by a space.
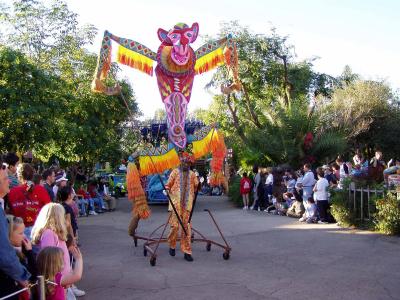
x=179 y=38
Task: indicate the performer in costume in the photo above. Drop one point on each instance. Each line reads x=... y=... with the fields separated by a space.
x=181 y=186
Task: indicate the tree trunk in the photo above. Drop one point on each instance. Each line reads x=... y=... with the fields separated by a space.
x=254 y=117
x=235 y=118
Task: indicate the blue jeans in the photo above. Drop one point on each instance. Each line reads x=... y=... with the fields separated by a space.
x=97 y=201
x=307 y=193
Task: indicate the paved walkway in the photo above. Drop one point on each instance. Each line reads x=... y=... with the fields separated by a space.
x=272 y=258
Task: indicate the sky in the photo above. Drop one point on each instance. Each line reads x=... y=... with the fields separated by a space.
x=360 y=33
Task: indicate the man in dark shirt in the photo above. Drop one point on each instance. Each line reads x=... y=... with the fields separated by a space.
x=49 y=177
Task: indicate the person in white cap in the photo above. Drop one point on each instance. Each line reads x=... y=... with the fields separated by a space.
x=61 y=181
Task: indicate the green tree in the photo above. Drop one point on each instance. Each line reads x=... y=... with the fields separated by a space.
x=87 y=127
x=267 y=122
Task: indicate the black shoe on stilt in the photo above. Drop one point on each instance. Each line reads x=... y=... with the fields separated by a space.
x=171 y=252
x=188 y=257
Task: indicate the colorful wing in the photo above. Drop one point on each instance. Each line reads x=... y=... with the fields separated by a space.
x=130 y=53
x=214 y=54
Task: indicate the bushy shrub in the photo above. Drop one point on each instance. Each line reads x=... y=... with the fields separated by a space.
x=340 y=208
x=387 y=217
x=234 y=190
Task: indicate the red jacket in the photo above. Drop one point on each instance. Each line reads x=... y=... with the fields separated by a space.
x=245 y=185
x=27 y=204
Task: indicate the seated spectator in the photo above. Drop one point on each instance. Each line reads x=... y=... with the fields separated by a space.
x=281 y=206
x=310 y=214
x=105 y=194
x=95 y=196
x=85 y=203
x=27 y=199
x=50 y=265
x=274 y=201
x=288 y=197
x=358 y=157
x=296 y=209
x=393 y=168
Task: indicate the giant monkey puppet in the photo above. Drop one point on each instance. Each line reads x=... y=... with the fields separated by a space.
x=177 y=65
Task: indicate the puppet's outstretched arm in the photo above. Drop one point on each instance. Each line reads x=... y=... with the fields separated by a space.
x=130 y=53
x=217 y=53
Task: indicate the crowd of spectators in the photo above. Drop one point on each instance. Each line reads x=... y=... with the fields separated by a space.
x=305 y=193
x=39 y=214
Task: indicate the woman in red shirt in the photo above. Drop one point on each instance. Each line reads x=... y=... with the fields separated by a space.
x=245 y=188
x=27 y=199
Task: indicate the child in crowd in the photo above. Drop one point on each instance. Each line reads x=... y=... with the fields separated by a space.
x=23 y=248
x=245 y=188
x=281 y=206
x=66 y=197
x=84 y=202
x=50 y=265
x=274 y=201
x=296 y=209
x=310 y=214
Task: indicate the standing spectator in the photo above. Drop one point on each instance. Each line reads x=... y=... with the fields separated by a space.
x=269 y=183
x=245 y=188
x=23 y=249
x=257 y=183
x=27 y=199
x=289 y=181
x=308 y=182
x=321 y=196
x=329 y=176
x=343 y=169
x=50 y=265
x=80 y=177
x=49 y=178
x=50 y=230
x=12 y=161
x=9 y=262
x=66 y=197
x=61 y=181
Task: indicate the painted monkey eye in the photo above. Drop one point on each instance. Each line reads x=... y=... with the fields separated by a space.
x=188 y=34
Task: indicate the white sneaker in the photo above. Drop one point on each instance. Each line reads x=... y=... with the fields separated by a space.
x=321 y=222
x=259 y=209
x=77 y=292
x=244 y=207
x=92 y=212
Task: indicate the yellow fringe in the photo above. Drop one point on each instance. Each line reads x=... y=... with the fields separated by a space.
x=210 y=61
x=212 y=142
x=135 y=60
x=158 y=164
x=136 y=193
